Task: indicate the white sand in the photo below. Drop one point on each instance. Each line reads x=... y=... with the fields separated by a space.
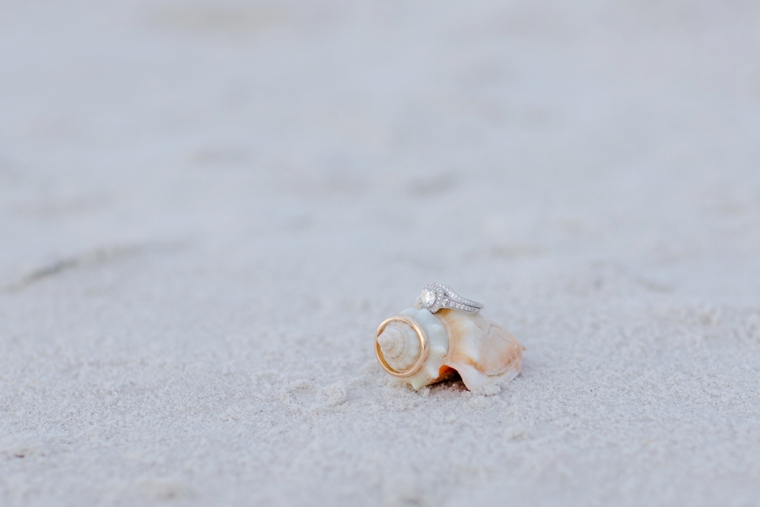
x=207 y=208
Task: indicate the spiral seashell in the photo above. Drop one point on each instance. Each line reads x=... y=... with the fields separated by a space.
x=422 y=348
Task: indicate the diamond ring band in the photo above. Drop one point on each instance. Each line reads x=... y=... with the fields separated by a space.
x=437 y=296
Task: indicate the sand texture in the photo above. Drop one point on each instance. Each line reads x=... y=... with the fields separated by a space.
x=207 y=207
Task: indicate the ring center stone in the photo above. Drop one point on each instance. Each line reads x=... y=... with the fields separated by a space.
x=427 y=298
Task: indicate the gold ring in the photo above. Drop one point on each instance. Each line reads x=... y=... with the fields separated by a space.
x=424 y=350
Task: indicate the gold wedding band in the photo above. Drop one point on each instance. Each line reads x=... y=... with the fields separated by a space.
x=424 y=349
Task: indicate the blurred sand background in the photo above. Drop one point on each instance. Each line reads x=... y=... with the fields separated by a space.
x=206 y=208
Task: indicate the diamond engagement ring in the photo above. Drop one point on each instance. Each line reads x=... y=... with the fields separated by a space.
x=437 y=296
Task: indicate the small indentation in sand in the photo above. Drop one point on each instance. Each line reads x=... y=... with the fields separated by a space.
x=97 y=257
x=217 y=19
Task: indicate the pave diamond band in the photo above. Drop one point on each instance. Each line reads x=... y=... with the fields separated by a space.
x=436 y=296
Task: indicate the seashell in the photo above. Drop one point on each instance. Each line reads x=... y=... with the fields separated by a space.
x=423 y=348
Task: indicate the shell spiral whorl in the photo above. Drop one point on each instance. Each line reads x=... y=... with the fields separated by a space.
x=400 y=345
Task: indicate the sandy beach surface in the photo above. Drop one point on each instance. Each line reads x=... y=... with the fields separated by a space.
x=207 y=207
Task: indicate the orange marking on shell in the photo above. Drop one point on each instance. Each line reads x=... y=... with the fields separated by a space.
x=491 y=351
